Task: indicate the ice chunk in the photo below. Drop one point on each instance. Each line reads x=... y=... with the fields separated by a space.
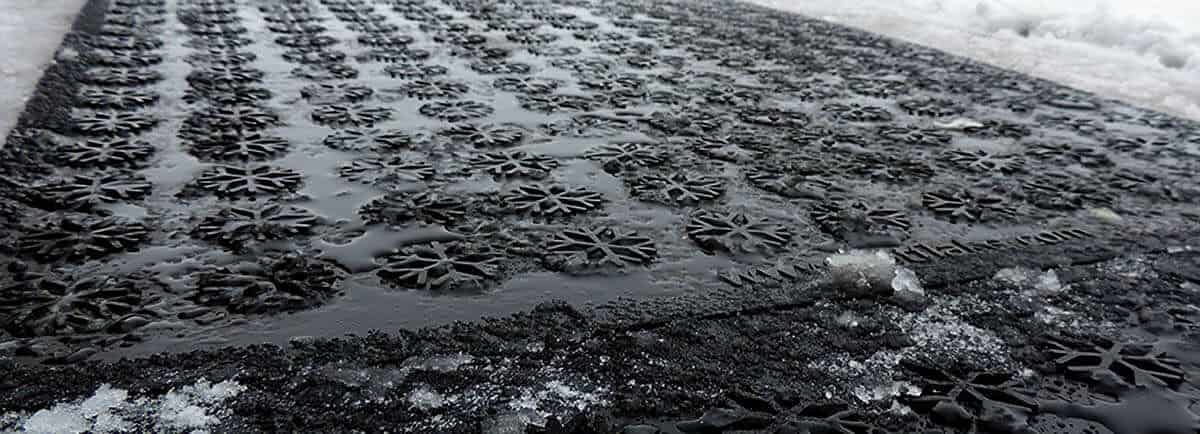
x=863 y=272
x=1048 y=282
x=906 y=282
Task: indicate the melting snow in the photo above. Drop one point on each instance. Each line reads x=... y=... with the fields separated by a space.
x=110 y=410
x=1143 y=51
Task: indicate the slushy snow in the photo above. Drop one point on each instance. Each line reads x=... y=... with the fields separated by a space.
x=190 y=408
x=1146 y=52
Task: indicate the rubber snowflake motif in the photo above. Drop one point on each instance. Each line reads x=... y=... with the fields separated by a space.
x=385 y=40
x=1064 y=191
x=610 y=81
x=76 y=241
x=429 y=207
x=369 y=139
x=591 y=125
x=732 y=148
x=531 y=38
x=930 y=107
x=385 y=171
x=278 y=284
x=414 y=70
x=857 y=113
x=554 y=51
x=393 y=55
x=442 y=266
x=496 y=67
x=527 y=85
x=306 y=41
x=890 y=169
x=105 y=152
x=141 y=43
x=42 y=306
x=732 y=95
x=325 y=71
x=916 y=136
x=554 y=200
x=971 y=400
x=774 y=274
x=854 y=217
x=434 y=89
x=334 y=93
x=486 y=135
x=227 y=95
x=583 y=65
x=113 y=123
x=618 y=156
x=116 y=97
x=554 y=103
x=295 y=28
x=86 y=192
x=1106 y=361
x=231 y=118
x=314 y=56
x=599 y=36
x=876 y=88
x=574 y=24
x=248 y=181
x=123 y=59
x=1066 y=154
x=677 y=188
x=240 y=147
x=964 y=205
x=736 y=232
x=1084 y=126
x=515 y=164
x=582 y=248
x=350 y=115
x=225 y=74
x=983 y=161
x=456 y=111
x=995 y=128
x=234 y=226
x=813 y=186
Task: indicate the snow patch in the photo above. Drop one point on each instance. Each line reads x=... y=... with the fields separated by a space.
x=110 y=410
x=906 y=281
x=1143 y=51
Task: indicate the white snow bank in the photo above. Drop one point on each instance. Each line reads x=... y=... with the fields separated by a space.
x=109 y=410
x=1143 y=51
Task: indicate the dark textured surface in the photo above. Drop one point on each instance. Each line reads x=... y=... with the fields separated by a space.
x=200 y=174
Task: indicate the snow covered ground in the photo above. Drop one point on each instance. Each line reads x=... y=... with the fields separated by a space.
x=30 y=31
x=1146 y=52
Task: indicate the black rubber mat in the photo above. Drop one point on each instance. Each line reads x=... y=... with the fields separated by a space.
x=199 y=173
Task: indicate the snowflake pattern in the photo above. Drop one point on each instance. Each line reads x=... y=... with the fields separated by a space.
x=434 y=89
x=248 y=181
x=430 y=207
x=496 y=67
x=105 y=152
x=515 y=164
x=617 y=156
x=555 y=200
x=113 y=123
x=350 y=115
x=554 y=103
x=86 y=192
x=854 y=217
x=116 y=98
x=527 y=85
x=237 y=225
x=278 y=284
x=314 y=57
x=1107 y=361
x=600 y=247
x=442 y=267
x=414 y=70
x=456 y=111
x=964 y=205
x=855 y=112
x=334 y=93
x=486 y=135
x=76 y=241
x=983 y=161
x=386 y=171
x=241 y=147
x=970 y=400
x=736 y=232
x=677 y=188
x=225 y=74
x=325 y=71
x=41 y=306
x=231 y=118
x=1064 y=191
x=369 y=139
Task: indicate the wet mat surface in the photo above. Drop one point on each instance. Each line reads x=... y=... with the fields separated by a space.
x=198 y=174
x=213 y=172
